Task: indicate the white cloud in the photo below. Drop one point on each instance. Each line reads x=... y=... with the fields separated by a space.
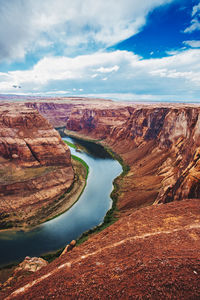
x=192 y=43
x=173 y=74
x=26 y=25
x=195 y=10
x=195 y=24
x=65 y=68
x=57 y=93
x=94 y=75
x=177 y=74
x=108 y=70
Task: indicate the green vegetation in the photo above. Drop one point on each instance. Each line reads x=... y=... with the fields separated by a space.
x=71 y=187
x=83 y=163
x=70 y=144
x=111 y=215
x=53 y=255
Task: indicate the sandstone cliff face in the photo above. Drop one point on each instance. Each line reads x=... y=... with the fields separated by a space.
x=160 y=143
x=35 y=165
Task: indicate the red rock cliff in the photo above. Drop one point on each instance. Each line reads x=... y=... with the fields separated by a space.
x=160 y=143
x=35 y=165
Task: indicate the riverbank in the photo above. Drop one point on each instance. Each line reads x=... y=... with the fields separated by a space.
x=71 y=196
x=62 y=203
x=110 y=217
x=112 y=214
x=66 y=201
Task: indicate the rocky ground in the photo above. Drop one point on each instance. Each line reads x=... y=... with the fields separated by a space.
x=152 y=253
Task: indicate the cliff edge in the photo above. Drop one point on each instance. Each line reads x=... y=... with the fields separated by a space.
x=35 y=166
x=159 y=142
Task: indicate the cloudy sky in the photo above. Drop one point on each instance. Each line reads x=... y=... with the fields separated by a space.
x=119 y=49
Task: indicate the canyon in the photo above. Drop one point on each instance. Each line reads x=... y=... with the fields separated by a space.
x=35 y=166
x=159 y=143
x=152 y=250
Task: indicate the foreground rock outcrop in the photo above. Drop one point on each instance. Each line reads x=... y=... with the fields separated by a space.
x=28 y=266
x=35 y=166
x=160 y=143
x=151 y=254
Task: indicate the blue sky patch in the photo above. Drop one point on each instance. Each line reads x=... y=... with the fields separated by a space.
x=126 y=49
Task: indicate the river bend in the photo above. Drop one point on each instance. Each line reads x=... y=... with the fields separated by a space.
x=87 y=212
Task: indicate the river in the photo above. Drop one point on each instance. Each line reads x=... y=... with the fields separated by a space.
x=86 y=213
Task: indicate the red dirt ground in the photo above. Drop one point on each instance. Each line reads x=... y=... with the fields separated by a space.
x=153 y=253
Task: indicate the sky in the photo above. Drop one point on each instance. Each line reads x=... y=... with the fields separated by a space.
x=133 y=50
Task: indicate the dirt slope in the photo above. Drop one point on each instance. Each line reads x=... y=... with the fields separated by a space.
x=151 y=254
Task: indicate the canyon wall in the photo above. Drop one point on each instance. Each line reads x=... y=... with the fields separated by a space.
x=35 y=165
x=160 y=143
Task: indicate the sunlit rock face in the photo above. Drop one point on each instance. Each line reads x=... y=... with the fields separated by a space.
x=35 y=164
x=160 y=143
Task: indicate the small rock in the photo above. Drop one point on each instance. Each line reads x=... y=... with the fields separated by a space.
x=195 y=272
x=69 y=247
x=73 y=243
x=33 y=264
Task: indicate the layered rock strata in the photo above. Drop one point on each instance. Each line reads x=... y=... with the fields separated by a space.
x=160 y=143
x=35 y=165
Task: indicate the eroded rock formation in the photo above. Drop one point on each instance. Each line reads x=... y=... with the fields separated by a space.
x=35 y=165
x=28 y=266
x=160 y=143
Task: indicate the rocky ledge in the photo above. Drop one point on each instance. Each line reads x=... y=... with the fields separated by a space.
x=35 y=165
